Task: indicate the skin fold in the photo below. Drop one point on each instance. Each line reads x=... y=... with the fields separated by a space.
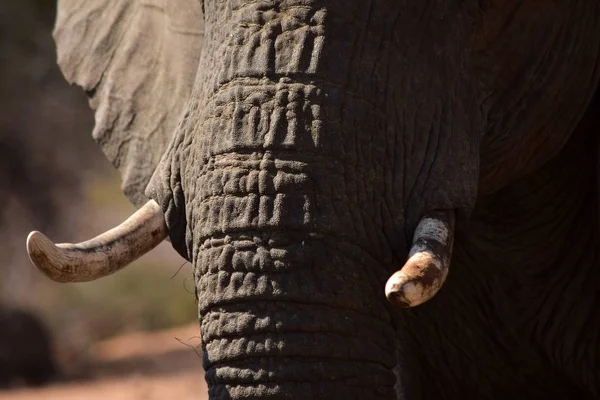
x=294 y=145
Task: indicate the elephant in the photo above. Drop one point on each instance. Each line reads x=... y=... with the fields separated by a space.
x=26 y=354
x=380 y=199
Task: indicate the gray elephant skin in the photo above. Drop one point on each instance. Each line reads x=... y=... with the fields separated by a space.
x=294 y=145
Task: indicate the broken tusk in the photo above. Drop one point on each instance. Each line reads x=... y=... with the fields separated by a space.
x=102 y=255
x=428 y=261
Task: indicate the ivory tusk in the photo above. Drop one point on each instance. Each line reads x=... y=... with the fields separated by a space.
x=428 y=261
x=102 y=255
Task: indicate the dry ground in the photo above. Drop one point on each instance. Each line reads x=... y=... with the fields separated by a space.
x=138 y=366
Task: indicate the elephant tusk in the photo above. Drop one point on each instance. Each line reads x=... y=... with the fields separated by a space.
x=102 y=255
x=428 y=261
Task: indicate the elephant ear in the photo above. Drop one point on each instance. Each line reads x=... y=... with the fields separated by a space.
x=137 y=61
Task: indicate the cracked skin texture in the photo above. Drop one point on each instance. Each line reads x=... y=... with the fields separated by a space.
x=300 y=141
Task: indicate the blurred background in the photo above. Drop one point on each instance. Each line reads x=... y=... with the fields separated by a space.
x=137 y=324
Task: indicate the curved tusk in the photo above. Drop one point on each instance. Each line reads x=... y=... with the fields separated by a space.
x=427 y=267
x=102 y=255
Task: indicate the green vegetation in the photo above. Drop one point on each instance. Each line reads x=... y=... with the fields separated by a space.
x=141 y=297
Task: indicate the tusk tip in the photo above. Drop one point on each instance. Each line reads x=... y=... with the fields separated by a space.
x=36 y=242
x=405 y=292
x=39 y=249
x=33 y=239
x=401 y=292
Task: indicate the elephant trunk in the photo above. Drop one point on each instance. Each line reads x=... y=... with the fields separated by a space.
x=288 y=267
x=292 y=315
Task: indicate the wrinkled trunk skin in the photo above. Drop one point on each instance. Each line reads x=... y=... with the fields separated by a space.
x=282 y=317
x=288 y=273
x=298 y=193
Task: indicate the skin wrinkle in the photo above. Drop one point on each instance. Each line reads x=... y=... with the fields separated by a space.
x=343 y=116
x=272 y=390
x=280 y=322
x=349 y=275
x=249 y=377
x=233 y=375
x=221 y=299
x=562 y=353
x=239 y=378
x=434 y=152
x=253 y=348
x=390 y=164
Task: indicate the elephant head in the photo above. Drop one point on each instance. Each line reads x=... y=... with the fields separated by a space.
x=298 y=152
